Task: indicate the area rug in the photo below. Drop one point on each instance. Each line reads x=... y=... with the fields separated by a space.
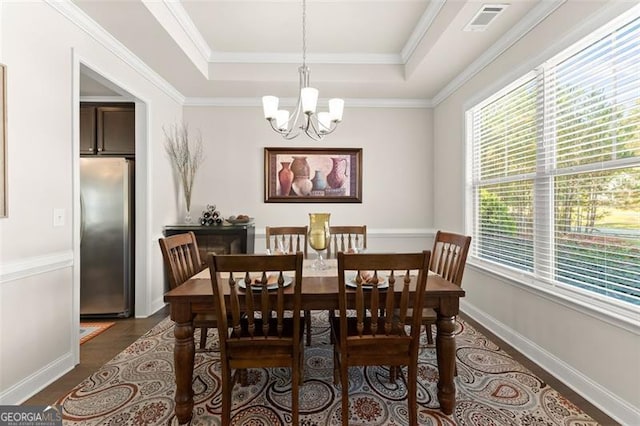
x=137 y=388
x=89 y=330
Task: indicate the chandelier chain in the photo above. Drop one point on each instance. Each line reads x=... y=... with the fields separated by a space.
x=304 y=33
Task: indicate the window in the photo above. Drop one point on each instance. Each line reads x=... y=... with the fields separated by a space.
x=555 y=170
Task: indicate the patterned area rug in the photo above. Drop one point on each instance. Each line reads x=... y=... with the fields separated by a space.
x=137 y=388
x=89 y=330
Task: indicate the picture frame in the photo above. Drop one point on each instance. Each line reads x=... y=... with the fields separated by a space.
x=3 y=141
x=313 y=175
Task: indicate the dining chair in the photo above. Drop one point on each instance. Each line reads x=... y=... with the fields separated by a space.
x=349 y=239
x=373 y=327
x=290 y=239
x=448 y=259
x=182 y=261
x=257 y=333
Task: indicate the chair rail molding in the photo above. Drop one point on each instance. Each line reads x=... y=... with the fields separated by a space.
x=30 y=266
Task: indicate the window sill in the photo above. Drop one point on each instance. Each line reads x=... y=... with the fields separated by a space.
x=618 y=315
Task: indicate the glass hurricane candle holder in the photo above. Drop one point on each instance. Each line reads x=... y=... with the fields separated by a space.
x=319 y=237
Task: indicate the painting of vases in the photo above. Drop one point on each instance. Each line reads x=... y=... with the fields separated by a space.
x=313 y=175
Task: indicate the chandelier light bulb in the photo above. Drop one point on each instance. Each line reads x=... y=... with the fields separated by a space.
x=270 y=106
x=309 y=97
x=324 y=122
x=282 y=119
x=336 y=108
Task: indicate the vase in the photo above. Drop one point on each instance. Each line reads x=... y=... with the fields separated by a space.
x=319 y=236
x=302 y=186
x=338 y=173
x=187 y=217
x=300 y=167
x=285 y=176
x=319 y=181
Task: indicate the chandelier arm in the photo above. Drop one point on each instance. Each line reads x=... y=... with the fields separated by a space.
x=312 y=124
x=316 y=128
x=295 y=116
x=313 y=135
x=334 y=126
x=287 y=134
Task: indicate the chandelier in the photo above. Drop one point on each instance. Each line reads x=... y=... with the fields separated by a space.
x=304 y=118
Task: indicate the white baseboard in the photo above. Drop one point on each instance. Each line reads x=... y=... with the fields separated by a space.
x=37 y=381
x=156 y=305
x=609 y=403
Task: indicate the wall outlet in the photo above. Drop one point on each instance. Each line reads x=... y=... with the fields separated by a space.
x=58 y=217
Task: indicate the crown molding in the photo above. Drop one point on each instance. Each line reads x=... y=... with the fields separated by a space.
x=313 y=58
x=183 y=18
x=388 y=103
x=74 y=14
x=421 y=29
x=178 y=25
x=290 y=102
x=526 y=24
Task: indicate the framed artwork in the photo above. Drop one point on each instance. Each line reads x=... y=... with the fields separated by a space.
x=3 y=141
x=312 y=175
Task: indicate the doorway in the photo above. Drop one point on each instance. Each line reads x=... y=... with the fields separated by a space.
x=92 y=85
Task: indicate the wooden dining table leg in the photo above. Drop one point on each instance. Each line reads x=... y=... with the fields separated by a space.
x=183 y=353
x=446 y=354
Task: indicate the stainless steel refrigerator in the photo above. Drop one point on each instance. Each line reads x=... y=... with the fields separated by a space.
x=106 y=237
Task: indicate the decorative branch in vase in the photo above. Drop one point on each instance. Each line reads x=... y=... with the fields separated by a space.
x=186 y=155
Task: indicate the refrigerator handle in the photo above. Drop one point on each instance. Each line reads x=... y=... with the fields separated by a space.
x=82 y=224
x=127 y=192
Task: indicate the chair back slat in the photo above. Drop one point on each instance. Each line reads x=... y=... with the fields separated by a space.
x=346 y=239
x=450 y=256
x=234 y=302
x=293 y=238
x=181 y=257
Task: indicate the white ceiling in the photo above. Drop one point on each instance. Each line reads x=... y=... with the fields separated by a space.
x=356 y=49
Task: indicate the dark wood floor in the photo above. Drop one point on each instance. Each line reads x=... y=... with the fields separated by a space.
x=102 y=348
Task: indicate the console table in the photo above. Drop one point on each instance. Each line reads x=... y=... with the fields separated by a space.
x=225 y=238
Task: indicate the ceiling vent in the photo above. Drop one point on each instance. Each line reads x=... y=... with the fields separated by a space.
x=485 y=16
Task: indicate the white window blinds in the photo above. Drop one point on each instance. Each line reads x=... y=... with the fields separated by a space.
x=556 y=170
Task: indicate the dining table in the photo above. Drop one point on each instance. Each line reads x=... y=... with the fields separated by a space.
x=319 y=292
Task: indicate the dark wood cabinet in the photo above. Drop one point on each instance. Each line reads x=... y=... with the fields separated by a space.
x=221 y=239
x=107 y=129
x=87 y=130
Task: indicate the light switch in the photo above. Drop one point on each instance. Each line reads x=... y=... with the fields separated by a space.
x=58 y=217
